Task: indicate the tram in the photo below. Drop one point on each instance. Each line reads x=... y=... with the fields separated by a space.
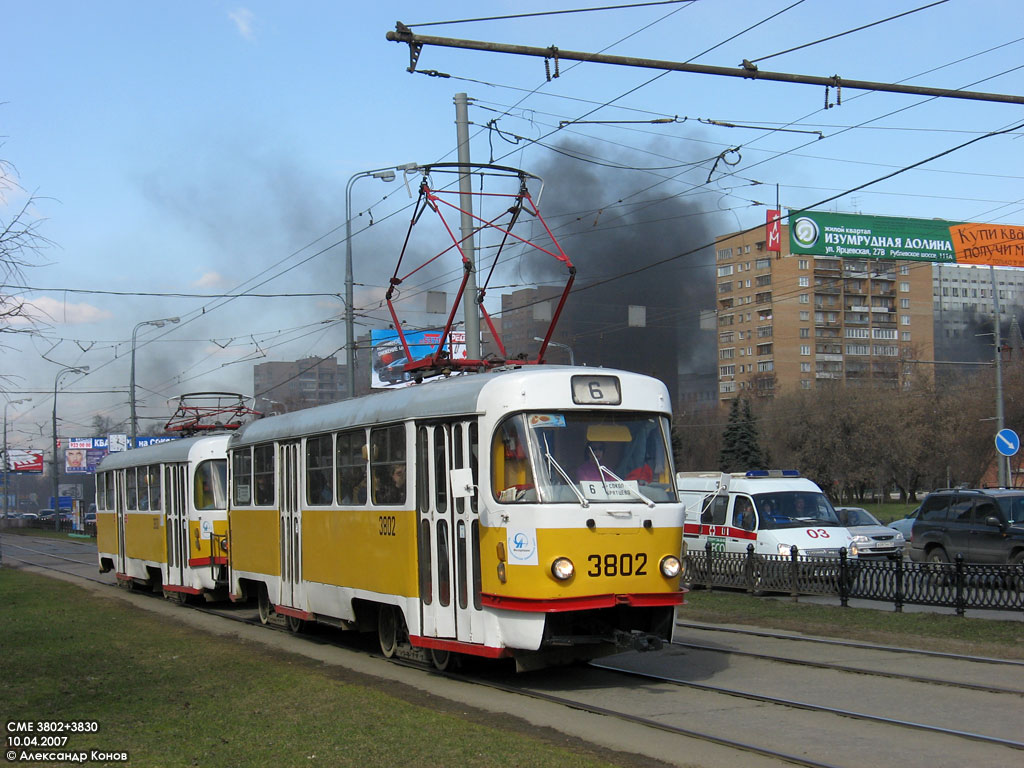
x=529 y=512
x=161 y=517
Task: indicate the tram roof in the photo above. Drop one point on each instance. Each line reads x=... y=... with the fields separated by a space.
x=445 y=398
x=170 y=451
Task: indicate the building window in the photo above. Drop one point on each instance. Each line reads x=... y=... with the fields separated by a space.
x=805 y=298
x=764 y=331
x=905 y=336
x=762 y=263
x=905 y=287
x=805 y=315
x=804 y=281
x=727 y=370
x=805 y=349
x=725 y=270
x=805 y=333
x=765 y=367
x=904 y=319
x=805 y=367
x=764 y=349
x=727 y=354
x=904 y=303
x=802 y=263
x=724 y=253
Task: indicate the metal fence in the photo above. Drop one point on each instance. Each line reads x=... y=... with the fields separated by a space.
x=957 y=585
x=65 y=526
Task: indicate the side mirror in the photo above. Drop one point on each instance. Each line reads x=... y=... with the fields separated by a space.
x=994 y=521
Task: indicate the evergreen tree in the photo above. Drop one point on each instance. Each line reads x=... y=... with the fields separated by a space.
x=741 y=448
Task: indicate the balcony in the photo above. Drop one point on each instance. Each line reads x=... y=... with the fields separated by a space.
x=829 y=357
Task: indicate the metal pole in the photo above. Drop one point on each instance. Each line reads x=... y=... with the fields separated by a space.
x=6 y=461
x=748 y=72
x=466 y=203
x=566 y=347
x=56 y=465
x=384 y=174
x=131 y=389
x=999 y=373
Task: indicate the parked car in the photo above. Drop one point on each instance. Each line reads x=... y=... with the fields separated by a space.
x=906 y=524
x=871 y=539
x=45 y=515
x=985 y=525
x=29 y=516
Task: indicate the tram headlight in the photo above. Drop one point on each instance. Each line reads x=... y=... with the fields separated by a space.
x=563 y=569
x=670 y=566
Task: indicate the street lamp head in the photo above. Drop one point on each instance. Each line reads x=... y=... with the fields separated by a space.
x=388 y=175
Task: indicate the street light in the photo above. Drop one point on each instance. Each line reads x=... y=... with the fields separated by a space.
x=131 y=395
x=6 y=462
x=384 y=174
x=566 y=347
x=56 y=498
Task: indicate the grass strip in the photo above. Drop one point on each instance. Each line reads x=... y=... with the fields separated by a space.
x=172 y=696
x=948 y=633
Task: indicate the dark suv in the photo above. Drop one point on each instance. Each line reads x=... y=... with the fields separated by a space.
x=984 y=525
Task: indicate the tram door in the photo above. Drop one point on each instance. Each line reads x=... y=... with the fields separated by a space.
x=291 y=523
x=176 y=501
x=434 y=512
x=119 y=495
x=466 y=533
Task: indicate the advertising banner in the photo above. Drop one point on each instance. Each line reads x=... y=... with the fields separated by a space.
x=388 y=355
x=850 y=235
x=24 y=461
x=773 y=231
x=83 y=454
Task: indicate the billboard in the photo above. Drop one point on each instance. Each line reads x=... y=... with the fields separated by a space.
x=24 y=461
x=850 y=235
x=83 y=454
x=389 y=359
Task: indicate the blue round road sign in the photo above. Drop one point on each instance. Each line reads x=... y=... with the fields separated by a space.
x=1007 y=442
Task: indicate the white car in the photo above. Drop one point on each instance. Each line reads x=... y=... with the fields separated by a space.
x=906 y=525
x=870 y=539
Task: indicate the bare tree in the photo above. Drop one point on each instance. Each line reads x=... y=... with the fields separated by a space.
x=21 y=241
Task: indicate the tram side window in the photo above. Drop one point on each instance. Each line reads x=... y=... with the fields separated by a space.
x=387 y=464
x=352 y=467
x=263 y=474
x=511 y=476
x=108 y=490
x=152 y=473
x=241 y=477
x=101 y=490
x=210 y=485
x=131 y=489
x=319 y=470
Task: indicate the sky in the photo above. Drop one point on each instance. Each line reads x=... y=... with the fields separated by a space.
x=181 y=157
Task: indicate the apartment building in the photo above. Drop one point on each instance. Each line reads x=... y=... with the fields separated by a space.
x=291 y=386
x=962 y=300
x=799 y=322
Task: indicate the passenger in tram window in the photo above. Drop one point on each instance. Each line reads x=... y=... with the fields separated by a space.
x=392 y=490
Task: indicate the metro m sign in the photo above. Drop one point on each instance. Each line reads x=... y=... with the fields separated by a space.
x=773 y=231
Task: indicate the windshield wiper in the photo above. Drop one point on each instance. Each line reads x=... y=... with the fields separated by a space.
x=558 y=468
x=602 y=469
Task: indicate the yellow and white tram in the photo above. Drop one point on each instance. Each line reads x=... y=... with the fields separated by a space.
x=161 y=516
x=529 y=512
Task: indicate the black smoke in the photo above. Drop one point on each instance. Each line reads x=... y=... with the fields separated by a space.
x=633 y=242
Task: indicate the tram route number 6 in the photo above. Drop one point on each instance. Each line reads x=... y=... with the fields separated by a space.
x=618 y=565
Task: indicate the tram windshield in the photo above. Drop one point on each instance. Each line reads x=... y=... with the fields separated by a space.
x=582 y=457
x=794 y=509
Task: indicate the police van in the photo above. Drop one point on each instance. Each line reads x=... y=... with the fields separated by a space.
x=774 y=510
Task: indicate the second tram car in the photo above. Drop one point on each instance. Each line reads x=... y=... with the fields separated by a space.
x=161 y=517
x=529 y=512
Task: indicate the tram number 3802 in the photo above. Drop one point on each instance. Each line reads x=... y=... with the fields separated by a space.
x=618 y=565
